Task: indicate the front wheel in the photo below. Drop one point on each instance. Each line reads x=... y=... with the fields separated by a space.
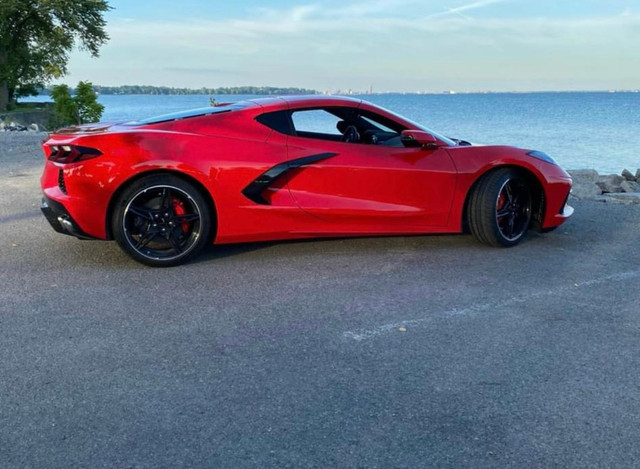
x=161 y=220
x=499 y=210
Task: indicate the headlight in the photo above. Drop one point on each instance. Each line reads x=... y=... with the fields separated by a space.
x=542 y=156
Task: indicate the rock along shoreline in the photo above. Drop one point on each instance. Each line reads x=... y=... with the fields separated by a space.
x=623 y=188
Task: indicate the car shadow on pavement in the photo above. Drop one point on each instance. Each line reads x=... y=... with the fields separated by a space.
x=339 y=245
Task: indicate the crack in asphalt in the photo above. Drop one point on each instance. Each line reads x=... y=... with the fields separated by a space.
x=365 y=334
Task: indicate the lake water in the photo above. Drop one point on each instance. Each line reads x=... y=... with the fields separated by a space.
x=580 y=130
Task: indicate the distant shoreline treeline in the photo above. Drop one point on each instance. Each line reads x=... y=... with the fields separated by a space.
x=167 y=90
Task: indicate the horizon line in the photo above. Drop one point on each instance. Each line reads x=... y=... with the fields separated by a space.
x=350 y=91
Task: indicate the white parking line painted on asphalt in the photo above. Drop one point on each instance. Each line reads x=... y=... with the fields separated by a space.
x=365 y=334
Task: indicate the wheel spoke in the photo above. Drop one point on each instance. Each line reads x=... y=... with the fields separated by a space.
x=511 y=226
x=187 y=217
x=141 y=212
x=164 y=201
x=145 y=239
x=175 y=243
x=507 y=189
x=503 y=213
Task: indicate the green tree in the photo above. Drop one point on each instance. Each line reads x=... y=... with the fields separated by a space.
x=36 y=37
x=64 y=107
x=87 y=105
x=80 y=109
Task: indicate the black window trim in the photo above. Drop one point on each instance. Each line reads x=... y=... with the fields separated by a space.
x=288 y=114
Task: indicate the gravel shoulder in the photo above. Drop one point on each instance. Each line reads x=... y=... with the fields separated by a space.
x=403 y=352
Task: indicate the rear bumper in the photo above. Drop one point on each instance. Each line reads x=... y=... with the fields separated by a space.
x=60 y=220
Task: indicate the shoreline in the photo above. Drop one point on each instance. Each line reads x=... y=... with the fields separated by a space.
x=142 y=90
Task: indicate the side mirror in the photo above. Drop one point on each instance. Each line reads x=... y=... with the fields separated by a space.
x=418 y=138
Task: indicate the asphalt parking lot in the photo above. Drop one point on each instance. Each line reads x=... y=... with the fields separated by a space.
x=408 y=352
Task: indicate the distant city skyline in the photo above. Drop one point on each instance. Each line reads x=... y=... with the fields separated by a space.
x=386 y=45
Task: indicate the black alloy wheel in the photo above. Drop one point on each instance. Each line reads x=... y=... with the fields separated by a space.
x=499 y=210
x=513 y=209
x=161 y=220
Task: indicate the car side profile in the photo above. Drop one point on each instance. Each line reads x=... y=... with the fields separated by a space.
x=289 y=168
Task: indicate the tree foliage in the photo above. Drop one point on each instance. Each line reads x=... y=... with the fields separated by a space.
x=89 y=109
x=63 y=107
x=166 y=90
x=80 y=109
x=36 y=37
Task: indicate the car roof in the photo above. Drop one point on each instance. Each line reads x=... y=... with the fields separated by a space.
x=302 y=101
x=260 y=105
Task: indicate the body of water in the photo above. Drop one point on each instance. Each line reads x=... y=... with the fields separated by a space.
x=580 y=130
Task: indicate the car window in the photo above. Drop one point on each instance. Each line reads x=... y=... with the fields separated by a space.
x=278 y=121
x=316 y=121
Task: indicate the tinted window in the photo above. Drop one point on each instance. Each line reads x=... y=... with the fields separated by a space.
x=278 y=121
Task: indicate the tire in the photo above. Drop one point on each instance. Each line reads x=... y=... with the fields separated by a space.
x=499 y=211
x=161 y=220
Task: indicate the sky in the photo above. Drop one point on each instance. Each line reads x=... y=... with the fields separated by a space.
x=389 y=45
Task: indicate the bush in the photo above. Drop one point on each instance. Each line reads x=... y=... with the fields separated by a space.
x=66 y=111
x=89 y=109
x=82 y=108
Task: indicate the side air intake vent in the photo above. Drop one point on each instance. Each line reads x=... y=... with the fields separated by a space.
x=61 y=183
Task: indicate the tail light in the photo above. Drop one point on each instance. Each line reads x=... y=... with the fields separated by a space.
x=66 y=154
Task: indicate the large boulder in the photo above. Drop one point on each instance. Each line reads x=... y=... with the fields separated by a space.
x=584 y=184
x=610 y=183
x=630 y=186
x=584 y=175
x=628 y=175
x=15 y=127
x=611 y=188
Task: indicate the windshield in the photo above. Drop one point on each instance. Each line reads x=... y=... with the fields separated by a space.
x=447 y=140
x=439 y=136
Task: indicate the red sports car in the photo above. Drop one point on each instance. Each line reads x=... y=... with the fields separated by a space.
x=285 y=168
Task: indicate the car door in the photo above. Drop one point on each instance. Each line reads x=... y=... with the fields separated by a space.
x=367 y=187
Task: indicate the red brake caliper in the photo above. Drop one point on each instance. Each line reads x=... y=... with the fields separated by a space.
x=500 y=205
x=179 y=210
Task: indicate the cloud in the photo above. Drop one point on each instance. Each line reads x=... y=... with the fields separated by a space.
x=379 y=7
x=474 y=5
x=467 y=7
x=406 y=42
x=304 y=22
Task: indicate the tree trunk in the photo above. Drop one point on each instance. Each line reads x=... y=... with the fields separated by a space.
x=4 y=95
x=4 y=86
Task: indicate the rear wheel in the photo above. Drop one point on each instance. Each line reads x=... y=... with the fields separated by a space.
x=499 y=210
x=161 y=220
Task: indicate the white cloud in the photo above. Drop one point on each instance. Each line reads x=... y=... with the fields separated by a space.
x=469 y=6
x=390 y=41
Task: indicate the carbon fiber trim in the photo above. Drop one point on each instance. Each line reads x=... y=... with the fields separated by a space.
x=254 y=190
